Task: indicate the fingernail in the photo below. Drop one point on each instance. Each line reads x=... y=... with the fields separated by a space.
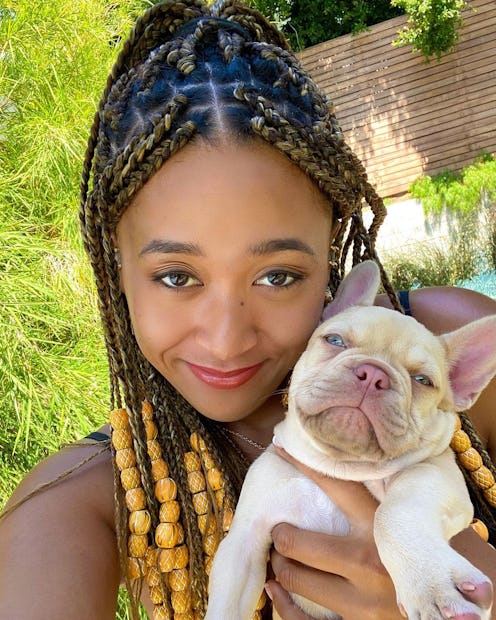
x=275 y=441
x=468 y=586
x=267 y=590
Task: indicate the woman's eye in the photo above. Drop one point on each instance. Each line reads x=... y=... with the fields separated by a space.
x=423 y=380
x=335 y=340
x=279 y=279
x=178 y=279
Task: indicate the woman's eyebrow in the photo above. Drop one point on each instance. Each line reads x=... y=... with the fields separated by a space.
x=166 y=246
x=278 y=245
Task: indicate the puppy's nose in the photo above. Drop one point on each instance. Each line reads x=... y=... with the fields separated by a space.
x=373 y=376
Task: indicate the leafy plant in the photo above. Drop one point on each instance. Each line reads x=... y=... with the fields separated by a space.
x=467 y=198
x=432 y=27
x=458 y=191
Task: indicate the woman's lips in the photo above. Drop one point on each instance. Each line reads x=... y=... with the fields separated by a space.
x=224 y=380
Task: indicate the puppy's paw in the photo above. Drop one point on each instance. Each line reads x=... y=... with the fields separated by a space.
x=462 y=593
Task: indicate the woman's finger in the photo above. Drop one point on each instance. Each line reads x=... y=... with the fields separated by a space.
x=374 y=600
x=346 y=556
x=283 y=604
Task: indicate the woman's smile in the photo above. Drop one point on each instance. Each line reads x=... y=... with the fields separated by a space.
x=224 y=380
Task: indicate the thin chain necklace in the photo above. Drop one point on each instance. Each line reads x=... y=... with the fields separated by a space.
x=246 y=439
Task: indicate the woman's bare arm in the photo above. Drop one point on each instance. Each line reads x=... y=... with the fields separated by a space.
x=58 y=550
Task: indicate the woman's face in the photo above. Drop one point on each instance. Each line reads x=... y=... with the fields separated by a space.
x=224 y=267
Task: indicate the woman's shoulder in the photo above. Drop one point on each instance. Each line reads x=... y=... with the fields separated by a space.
x=445 y=308
x=58 y=536
x=86 y=463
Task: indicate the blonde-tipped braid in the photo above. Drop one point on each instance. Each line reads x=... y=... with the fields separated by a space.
x=158 y=555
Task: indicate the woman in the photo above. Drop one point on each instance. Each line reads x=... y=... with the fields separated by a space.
x=219 y=202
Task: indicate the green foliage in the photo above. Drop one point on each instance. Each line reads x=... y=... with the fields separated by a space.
x=307 y=22
x=458 y=191
x=432 y=27
x=466 y=199
x=54 y=58
x=463 y=255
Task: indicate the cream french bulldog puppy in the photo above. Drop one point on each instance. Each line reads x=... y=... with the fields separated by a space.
x=371 y=399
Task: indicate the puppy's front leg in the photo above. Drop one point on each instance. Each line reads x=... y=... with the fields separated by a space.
x=238 y=572
x=423 y=508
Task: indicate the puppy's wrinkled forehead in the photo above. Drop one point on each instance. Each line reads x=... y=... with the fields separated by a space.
x=379 y=331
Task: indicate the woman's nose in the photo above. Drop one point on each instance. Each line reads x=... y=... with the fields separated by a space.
x=226 y=328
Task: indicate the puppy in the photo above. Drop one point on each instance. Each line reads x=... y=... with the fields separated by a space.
x=371 y=399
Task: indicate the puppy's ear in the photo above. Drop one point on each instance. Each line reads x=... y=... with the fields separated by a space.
x=359 y=288
x=472 y=358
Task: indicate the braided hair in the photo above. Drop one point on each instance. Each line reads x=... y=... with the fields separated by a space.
x=189 y=71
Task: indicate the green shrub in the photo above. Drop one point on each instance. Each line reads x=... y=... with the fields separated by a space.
x=467 y=198
x=432 y=26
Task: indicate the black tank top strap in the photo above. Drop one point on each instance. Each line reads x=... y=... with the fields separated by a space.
x=404 y=297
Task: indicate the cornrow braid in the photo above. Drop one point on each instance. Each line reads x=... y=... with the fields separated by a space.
x=191 y=72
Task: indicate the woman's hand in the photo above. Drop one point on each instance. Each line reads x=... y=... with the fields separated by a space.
x=342 y=573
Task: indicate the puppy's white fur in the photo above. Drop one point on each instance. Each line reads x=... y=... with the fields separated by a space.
x=371 y=399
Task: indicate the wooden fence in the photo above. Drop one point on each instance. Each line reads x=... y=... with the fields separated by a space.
x=402 y=116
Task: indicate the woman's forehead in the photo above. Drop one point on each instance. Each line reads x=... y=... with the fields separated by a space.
x=229 y=167
x=231 y=188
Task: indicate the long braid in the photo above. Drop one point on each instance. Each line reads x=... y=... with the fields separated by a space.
x=187 y=72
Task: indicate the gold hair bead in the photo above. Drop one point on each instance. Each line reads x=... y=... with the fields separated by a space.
x=135 y=499
x=166 y=535
x=122 y=438
x=159 y=470
x=179 y=579
x=181 y=556
x=460 y=441
x=137 y=545
x=490 y=495
x=125 y=458
x=483 y=477
x=156 y=595
x=192 y=462
x=200 y=503
x=470 y=458
x=169 y=512
x=165 y=490
x=181 y=601
x=135 y=568
x=140 y=522
x=480 y=528
x=130 y=478
x=151 y=430
x=119 y=419
x=196 y=481
x=215 y=479
x=146 y=410
x=154 y=449
x=160 y=612
x=153 y=577
x=166 y=560
x=206 y=524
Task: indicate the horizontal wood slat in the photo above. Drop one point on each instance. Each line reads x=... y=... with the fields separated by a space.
x=405 y=117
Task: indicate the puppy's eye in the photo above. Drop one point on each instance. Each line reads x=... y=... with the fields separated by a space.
x=335 y=340
x=423 y=380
